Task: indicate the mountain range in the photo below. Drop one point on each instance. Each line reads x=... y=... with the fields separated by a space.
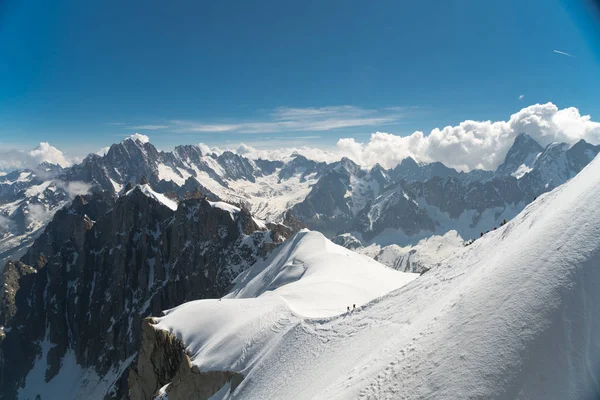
x=401 y=205
x=97 y=247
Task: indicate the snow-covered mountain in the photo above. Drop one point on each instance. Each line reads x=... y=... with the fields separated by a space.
x=521 y=157
x=398 y=206
x=514 y=315
x=308 y=277
x=72 y=308
x=28 y=200
x=409 y=211
x=416 y=258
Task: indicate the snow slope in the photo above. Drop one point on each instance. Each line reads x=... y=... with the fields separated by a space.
x=514 y=315
x=161 y=198
x=425 y=254
x=307 y=277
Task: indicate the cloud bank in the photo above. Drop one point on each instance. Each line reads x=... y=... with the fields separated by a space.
x=11 y=159
x=466 y=146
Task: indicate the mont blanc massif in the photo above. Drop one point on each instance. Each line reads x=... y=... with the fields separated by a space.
x=144 y=274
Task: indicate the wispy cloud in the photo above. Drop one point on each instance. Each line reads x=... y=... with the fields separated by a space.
x=563 y=53
x=147 y=127
x=288 y=119
x=521 y=97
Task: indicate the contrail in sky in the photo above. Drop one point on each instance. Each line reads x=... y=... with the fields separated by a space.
x=563 y=53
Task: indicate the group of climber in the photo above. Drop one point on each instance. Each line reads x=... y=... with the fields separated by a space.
x=471 y=241
x=501 y=225
x=353 y=307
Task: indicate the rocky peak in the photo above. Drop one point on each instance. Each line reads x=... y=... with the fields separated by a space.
x=104 y=264
x=581 y=154
x=268 y=167
x=520 y=157
x=9 y=283
x=236 y=166
x=299 y=165
x=411 y=170
x=345 y=166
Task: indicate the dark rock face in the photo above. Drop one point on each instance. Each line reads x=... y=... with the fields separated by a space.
x=415 y=199
x=163 y=360
x=334 y=201
x=268 y=167
x=302 y=166
x=9 y=282
x=238 y=167
x=395 y=210
x=524 y=151
x=410 y=170
x=104 y=264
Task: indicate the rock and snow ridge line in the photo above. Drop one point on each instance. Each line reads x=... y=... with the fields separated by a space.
x=108 y=262
x=515 y=315
x=274 y=189
x=306 y=278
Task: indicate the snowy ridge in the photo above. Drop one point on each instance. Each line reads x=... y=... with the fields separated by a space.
x=515 y=315
x=307 y=277
x=161 y=198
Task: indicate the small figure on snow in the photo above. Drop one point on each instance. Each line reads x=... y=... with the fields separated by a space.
x=354 y=306
x=348 y=308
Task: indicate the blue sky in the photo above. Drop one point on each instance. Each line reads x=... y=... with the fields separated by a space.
x=82 y=75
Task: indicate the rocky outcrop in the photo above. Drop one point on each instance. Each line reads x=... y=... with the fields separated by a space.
x=9 y=282
x=164 y=366
x=104 y=264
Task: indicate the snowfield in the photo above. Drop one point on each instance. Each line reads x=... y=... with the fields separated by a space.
x=425 y=254
x=309 y=277
x=514 y=315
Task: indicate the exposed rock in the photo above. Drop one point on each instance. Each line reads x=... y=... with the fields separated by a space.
x=162 y=360
x=9 y=282
x=103 y=265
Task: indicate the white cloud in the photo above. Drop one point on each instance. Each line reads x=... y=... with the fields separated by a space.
x=466 y=146
x=148 y=127
x=206 y=149
x=475 y=144
x=4 y=224
x=11 y=159
x=140 y=137
x=47 y=153
x=286 y=153
x=76 y=188
x=563 y=53
x=521 y=97
x=103 y=151
x=285 y=119
x=37 y=213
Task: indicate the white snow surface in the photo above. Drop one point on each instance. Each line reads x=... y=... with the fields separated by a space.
x=169 y=174
x=425 y=254
x=225 y=207
x=309 y=277
x=161 y=198
x=268 y=197
x=521 y=171
x=514 y=315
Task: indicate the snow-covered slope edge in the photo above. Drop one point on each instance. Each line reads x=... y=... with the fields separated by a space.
x=515 y=315
x=307 y=277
